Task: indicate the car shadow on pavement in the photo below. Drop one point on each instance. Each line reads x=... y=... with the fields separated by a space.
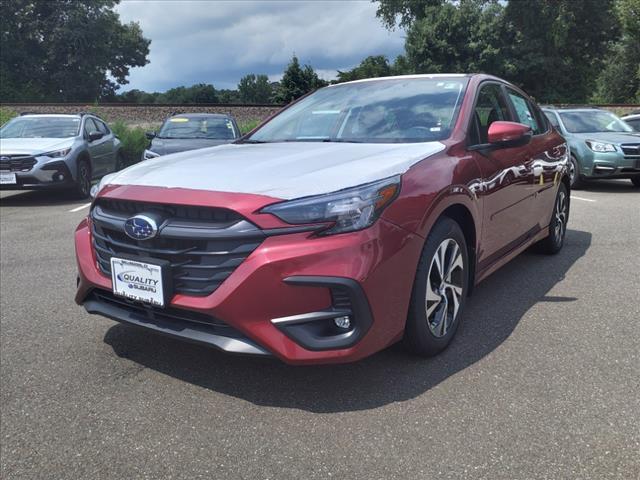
x=39 y=198
x=492 y=314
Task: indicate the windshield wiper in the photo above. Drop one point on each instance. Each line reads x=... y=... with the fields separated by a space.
x=253 y=141
x=341 y=140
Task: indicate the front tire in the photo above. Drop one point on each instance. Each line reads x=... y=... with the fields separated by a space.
x=635 y=181
x=83 y=179
x=575 y=180
x=558 y=225
x=439 y=290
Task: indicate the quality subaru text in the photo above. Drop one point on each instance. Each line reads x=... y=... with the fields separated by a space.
x=361 y=215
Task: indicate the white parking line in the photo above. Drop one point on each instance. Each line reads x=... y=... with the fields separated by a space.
x=573 y=197
x=77 y=209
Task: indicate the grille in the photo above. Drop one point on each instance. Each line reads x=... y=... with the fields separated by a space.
x=203 y=245
x=17 y=163
x=631 y=150
x=171 y=314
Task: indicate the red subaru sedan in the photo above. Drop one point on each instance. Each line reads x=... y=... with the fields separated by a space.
x=359 y=216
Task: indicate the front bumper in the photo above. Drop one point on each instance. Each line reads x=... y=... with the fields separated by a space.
x=611 y=165
x=283 y=298
x=46 y=174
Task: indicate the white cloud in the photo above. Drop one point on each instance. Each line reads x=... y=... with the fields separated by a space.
x=219 y=42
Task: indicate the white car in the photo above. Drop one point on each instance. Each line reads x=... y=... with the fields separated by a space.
x=633 y=120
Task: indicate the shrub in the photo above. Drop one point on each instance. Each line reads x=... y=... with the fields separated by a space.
x=133 y=141
x=6 y=114
x=248 y=125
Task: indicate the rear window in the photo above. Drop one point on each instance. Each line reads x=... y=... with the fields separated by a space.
x=198 y=127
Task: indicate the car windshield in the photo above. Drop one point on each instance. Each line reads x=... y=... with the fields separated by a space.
x=595 y=121
x=41 y=127
x=401 y=110
x=198 y=127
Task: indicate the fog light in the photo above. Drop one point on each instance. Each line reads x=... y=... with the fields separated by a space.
x=342 y=322
x=60 y=177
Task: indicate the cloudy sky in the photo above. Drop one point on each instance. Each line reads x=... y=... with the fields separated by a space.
x=207 y=41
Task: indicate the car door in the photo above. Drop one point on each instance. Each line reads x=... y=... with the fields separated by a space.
x=546 y=157
x=111 y=160
x=98 y=149
x=505 y=187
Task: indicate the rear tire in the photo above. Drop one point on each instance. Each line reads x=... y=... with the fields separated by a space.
x=439 y=290
x=558 y=225
x=635 y=181
x=83 y=179
x=575 y=179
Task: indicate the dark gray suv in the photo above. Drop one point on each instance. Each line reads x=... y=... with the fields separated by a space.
x=190 y=131
x=56 y=151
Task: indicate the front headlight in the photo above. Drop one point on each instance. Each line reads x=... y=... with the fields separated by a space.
x=104 y=181
x=346 y=210
x=600 y=147
x=148 y=154
x=58 y=153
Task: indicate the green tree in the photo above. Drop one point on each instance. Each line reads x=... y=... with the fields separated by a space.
x=619 y=80
x=373 y=66
x=228 y=96
x=403 y=12
x=199 y=93
x=465 y=36
x=66 y=50
x=558 y=47
x=255 y=89
x=297 y=81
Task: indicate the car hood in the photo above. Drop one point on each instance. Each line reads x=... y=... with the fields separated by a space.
x=165 y=146
x=611 y=137
x=281 y=170
x=32 y=146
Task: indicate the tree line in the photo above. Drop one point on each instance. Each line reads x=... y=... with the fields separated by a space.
x=559 y=51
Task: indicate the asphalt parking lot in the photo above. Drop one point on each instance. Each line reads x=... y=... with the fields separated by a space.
x=543 y=380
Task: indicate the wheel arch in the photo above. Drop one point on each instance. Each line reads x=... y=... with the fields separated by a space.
x=83 y=156
x=463 y=217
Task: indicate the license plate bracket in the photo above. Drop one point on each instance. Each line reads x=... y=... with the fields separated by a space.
x=146 y=280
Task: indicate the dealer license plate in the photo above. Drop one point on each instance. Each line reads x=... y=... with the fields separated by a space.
x=7 y=178
x=139 y=281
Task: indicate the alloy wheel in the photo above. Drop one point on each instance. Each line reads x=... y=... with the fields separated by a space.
x=84 y=184
x=444 y=287
x=561 y=214
x=572 y=172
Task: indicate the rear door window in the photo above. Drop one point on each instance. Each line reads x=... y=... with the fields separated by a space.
x=525 y=113
x=90 y=126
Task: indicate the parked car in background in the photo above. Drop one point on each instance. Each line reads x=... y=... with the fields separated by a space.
x=40 y=151
x=633 y=120
x=358 y=216
x=601 y=144
x=190 y=131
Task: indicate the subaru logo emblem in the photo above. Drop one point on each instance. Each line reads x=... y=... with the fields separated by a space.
x=140 y=227
x=5 y=159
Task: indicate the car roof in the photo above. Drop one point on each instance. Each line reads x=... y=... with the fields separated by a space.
x=408 y=77
x=52 y=115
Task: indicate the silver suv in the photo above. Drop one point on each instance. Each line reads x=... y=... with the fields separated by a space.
x=56 y=151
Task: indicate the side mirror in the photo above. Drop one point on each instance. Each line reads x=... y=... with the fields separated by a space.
x=150 y=135
x=93 y=136
x=509 y=134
